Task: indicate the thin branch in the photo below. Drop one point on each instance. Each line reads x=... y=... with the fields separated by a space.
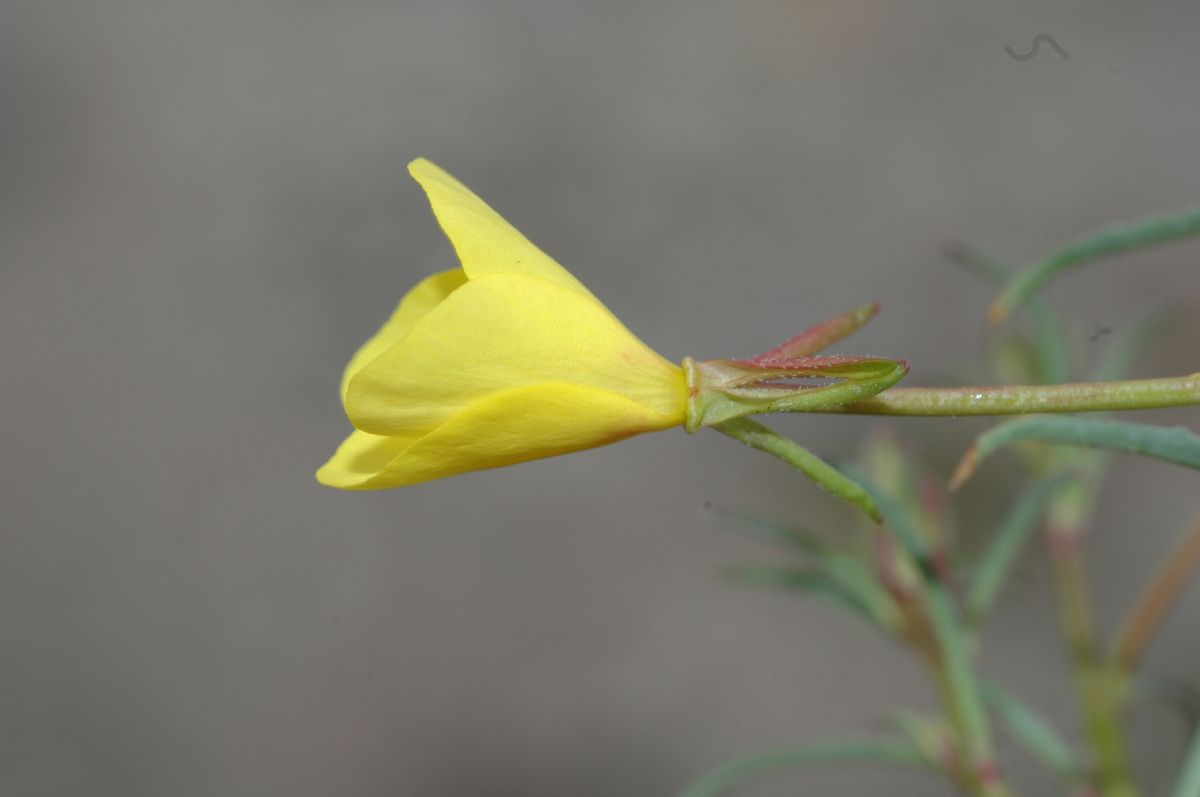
x=1160 y=595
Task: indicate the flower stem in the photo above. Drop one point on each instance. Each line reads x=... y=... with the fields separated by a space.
x=1097 y=681
x=1159 y=597
x=1132 y=394
x=961 y=691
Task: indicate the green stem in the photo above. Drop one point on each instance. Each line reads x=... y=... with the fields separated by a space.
x=961 y=689
x=1161 y=595
x=1097 y=681
x=1132 y=394
x=940 y=637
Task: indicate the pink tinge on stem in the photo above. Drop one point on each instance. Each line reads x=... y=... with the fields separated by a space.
x=818 y=337
x=803 y=363
x=988 y=773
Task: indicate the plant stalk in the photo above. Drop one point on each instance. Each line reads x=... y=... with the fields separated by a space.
x=1097 y=681
x=1131 y=394
x=960 y=691
x=1161 y=594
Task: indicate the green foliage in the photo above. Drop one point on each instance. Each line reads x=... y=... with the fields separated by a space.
x=1102 y=243
x=1171 y=444
x=851 y=751
x=899 y=572
x=755 y=435
x=1007 y=540
x=1034 y=734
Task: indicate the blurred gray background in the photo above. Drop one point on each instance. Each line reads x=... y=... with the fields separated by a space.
x=204 y=209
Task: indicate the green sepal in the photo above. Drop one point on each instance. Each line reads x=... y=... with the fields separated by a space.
x=721 y=390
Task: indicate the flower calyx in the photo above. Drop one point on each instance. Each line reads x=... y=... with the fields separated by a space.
x=789 y=377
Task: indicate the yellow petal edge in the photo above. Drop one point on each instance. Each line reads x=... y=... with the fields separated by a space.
x=504 y=360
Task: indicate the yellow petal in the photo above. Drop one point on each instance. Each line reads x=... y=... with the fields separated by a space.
x=500 y=332
x=509 y=427
x=359 y=458
x=427 y=294
x=484 y=241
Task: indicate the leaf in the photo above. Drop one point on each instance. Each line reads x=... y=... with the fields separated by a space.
x=1050 y=352
x=1102 y=243
x=1033 y=733
x=803 y=580
x=1007 y=540
x=841 y=580
x=807 y=541
x=1175 y=444
x=961 y=681
x=858 y=751
x=822 y=335
x=933 y=736
x=900 y=521
x=827 y=477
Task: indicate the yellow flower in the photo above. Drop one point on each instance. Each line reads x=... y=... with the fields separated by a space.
x=506 y=359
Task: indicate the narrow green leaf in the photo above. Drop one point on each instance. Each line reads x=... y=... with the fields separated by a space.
x=1013 y=360
x=1050 y=351
x=756 y=435
x=970 y=717
x=1107 y=241
x=856 y=751
x=900 y=520
x=972 y=259
x=1033 y=733
x=1172 y=444
x=931 y=735
x=806 y=541
x=840 y=579
x=812 y=582
x=856 y=578
x=1006 y=542
x=961 y=679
